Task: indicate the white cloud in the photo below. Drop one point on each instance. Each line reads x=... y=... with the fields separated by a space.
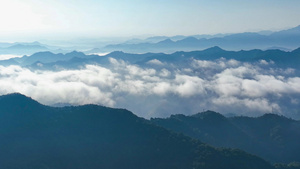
x=230 y=86
x=155 y=62
x=273 y=85
x=253 y=88
x=162 y=88
x=164 y=73
x=257 y=105
x=53 y=87
x=294 y=84
x=233 y=63
x=187 y=86
x=263 y=62
x=9 y=56
x=215 y=64
x=204 y=64
x=227 y=85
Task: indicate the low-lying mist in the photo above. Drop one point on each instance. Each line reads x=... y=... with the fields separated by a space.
x=160 y=89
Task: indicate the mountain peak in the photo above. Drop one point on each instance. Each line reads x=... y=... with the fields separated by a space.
x=214 y=49
x=14 y=96
x=74 y=51
x=209 y=114
x=75 y=54
x=296 y=50
x=44 y=53
x=276 y=117
x=117 y=52
x=166 y=41
x=288 y=32
x=17 y=99
x=36 y=43
x=295 y=28
x=27 y=46
x=190 y=38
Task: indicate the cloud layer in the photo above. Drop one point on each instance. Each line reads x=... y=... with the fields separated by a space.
x=227 y=86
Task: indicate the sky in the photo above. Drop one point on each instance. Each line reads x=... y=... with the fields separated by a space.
x=65 y=19
x=253 y=89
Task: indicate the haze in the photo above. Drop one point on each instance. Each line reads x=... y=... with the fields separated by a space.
x=53 y=19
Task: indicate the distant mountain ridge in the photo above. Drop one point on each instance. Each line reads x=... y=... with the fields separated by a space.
x=289 y=38
x=73 y=59
x=37 y=136
x=286 y=39
x=27 y=48
x=23 y=49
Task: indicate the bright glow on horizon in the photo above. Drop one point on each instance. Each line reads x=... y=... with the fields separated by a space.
x=17 y=16
x=9 y=56
x=99 y=18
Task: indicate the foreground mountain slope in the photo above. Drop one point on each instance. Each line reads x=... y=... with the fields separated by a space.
x=90 y=136
x=269 y=136
x=276 y=134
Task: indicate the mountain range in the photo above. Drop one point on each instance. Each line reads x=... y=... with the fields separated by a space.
x=90 y=136
x=74 y=59
x=251 y=75
x=285 y=39
x=27 y=48
x=273 y=137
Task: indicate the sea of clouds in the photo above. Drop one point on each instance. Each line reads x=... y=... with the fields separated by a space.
x=161 y=89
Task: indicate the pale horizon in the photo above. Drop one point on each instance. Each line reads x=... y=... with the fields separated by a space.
x=30 y=20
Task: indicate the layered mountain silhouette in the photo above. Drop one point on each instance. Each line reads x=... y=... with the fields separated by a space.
x=75 y=59
x=273 y=137
x=285 y=40
x=289 y=39
x=28 y=48
x=37 y=136
x=22 y=48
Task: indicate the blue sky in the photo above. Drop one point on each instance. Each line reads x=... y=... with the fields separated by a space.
x=125 y=18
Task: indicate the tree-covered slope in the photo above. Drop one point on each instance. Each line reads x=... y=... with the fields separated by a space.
x=273 y=137
x=36 y=136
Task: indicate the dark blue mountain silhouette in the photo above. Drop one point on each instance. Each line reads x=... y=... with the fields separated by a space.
x=268 y=136
x=37 y=136
x=48 y=57
x=75 y=59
